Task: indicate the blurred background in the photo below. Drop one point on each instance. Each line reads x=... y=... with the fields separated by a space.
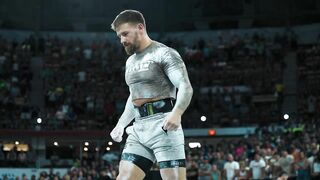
x=254 y=67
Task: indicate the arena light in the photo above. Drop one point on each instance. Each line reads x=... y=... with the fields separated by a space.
x=110 y=143
x=7 y=147
x=86 y=143
x=203 y=118
x=56 y=143
x=108 y=148
x=39 y=120
x=97 y=149
x=85 y=149
x=194 y=145
x=17 y=143
x=212 y=132
x=286 y=116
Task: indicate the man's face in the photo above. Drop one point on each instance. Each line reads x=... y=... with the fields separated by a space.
x=129 y=35
x=230 y=158
x=257 y=157
x=284 y=153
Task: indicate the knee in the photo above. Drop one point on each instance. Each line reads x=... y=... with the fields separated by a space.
x=123 y=174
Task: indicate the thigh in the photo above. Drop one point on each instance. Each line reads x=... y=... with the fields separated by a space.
x=130 y=171
x=177 y=173
x=134 y=146
x=165 y=145
x=170 y=147
x=136 y=153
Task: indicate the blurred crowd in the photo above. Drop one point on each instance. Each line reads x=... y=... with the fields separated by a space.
x=309 y=79
x=289 y=151
x=84 y=87
x=15 y=83
x=222 y=75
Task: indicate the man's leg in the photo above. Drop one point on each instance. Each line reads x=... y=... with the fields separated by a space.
x=136 y=159
x=177 y=173
x=168 y=148
x=130 y=171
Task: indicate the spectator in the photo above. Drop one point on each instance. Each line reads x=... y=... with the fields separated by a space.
x=257 y=167
x=219 y=161
x=243 y=171
x=285 y=162
x=215 y=173
x=302 y=167
x=192 y=170
x=205 y=169
x=231 y=168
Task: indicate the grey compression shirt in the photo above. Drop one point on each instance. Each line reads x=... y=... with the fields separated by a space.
x=147 y=72
x=156 y=72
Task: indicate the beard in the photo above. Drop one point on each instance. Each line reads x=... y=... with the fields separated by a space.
x=131 y=48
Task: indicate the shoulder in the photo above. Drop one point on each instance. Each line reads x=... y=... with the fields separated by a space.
x=235 y=163
x=164 y=49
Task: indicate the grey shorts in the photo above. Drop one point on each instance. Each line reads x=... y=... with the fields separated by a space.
x=147 y=138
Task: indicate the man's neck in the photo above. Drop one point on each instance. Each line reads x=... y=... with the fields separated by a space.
x=145 y=43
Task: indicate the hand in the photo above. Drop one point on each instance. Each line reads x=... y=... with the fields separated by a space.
x=172 y=121
x=116 y=133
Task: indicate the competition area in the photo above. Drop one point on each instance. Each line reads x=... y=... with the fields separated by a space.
x=254 y=93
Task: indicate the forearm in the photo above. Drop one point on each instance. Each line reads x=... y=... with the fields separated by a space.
x=183 y=98
x=180 y=79
x=127 y=115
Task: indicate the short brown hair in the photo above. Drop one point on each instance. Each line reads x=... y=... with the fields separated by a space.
x=128 y=16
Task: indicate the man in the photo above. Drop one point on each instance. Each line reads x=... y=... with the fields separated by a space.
x=153 y=72
x=205 y=169
x=192 y=170
x=286 y=162
x=257 y=167
x=219 y=160
x=231 y=168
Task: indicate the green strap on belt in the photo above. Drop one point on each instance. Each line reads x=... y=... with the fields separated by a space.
x=150 y=109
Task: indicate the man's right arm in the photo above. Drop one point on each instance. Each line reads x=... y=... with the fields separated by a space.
x=125 y=119
x=128 y=114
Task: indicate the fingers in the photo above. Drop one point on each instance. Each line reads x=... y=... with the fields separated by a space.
x=170 y=126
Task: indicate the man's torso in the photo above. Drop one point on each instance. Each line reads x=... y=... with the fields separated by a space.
x=145 y=74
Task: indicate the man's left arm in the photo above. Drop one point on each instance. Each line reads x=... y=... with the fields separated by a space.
x=178 y=76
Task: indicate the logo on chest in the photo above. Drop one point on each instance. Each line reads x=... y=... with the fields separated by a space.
x=139 y=67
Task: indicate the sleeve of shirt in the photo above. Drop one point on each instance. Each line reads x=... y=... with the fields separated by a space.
x=237 y=167
x=171 y=60
x=251 y=164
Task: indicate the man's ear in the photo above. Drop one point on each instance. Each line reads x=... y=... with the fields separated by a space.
x=140 y=26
